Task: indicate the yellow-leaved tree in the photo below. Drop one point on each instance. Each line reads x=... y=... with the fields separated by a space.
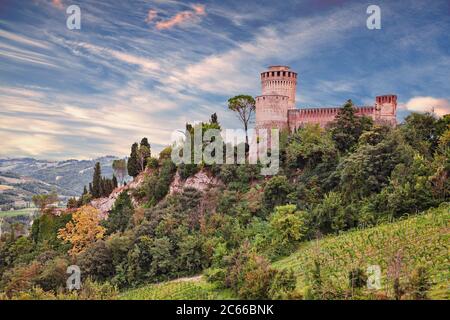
x=83 y=230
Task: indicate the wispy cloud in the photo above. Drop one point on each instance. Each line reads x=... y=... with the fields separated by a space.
x=23 y=40
x=95 y=91
x=151 y=15
x=236 y=70
x=184 y=17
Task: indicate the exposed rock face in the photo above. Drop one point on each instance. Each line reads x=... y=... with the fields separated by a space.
x=104 y=205
x=200 y=181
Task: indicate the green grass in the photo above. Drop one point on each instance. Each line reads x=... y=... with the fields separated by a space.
x=196 y=289
x=16 y=213
x=421 y=240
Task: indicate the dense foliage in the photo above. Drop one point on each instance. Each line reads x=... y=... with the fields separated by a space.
x=353 y=174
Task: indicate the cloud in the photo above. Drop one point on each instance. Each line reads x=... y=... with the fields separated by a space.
x=145 y=63
x=26 y=144
x=188 y=16
x=151 y=15
x=22 y=39
x=428 y=104
x=58 y=4
x=236 y=70
x=199 y=9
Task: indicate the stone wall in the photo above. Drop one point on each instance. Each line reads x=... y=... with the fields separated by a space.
x=275 y=108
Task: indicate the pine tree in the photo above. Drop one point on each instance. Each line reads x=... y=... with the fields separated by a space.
x=85 y=191
x=214 y=118
x=348 y=127
x=132 y=165
x=144 y=153
x=115 y=182
x=97 y=181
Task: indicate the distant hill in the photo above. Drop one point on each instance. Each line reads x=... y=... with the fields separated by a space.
x=21 y=178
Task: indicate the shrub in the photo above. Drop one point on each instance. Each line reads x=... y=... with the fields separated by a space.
x=96 y=262
x=419 y=283
x=357 y=278
x=276 y=192
x=283 y=284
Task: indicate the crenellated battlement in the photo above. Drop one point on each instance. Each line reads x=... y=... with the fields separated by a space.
x=275 y=108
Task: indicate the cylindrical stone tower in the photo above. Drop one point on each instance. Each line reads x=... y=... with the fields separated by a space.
x=279 y=80
x=278 y=96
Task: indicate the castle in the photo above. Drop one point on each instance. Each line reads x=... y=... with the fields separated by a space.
x=275 y=108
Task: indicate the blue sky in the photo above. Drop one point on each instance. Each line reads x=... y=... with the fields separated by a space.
x=144 y=68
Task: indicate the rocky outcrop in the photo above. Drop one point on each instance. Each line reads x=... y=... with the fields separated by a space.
x=104 y=205
x=200 y=181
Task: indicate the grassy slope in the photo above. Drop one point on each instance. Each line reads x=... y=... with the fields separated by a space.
x=419 y=240
x=15 y=213
x=186 y=289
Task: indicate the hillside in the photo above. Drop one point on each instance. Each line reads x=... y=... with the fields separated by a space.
x=421 y=240
x=181 y=289
x=22 y=178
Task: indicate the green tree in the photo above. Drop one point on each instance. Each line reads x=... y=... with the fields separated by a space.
x=309 y=146
x=244 y=106
x=348 y=127
x=144 y=153
x=276 y=192
x=330 y=215
x=42 y=201
x=120 y=215
x=96 y=261
x=120 y=170
x=132 y=164
x=288 y=224
x=97 y=185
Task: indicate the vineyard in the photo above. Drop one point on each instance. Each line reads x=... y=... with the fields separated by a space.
x=397 y=248
x=195 y=289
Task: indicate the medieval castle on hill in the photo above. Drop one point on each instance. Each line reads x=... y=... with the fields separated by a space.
x=275 y=108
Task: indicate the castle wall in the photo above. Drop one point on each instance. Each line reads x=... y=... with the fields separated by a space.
x=321 y=116
x=275 y=108
x=272 y=111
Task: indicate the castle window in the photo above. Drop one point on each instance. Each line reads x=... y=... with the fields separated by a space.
x=284 y=73
x=278 y=73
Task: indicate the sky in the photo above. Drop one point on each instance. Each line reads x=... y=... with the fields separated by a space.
x=145 y=68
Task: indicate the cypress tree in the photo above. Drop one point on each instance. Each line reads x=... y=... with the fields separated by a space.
x=115 y=183
x=132 y=164
x=97 y=181
x=144 y=152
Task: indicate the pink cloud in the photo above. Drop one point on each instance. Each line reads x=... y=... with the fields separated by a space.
x=58 y=4
x=182 y=17
x=151 y=15
x=199 y=9
x=428 y=104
